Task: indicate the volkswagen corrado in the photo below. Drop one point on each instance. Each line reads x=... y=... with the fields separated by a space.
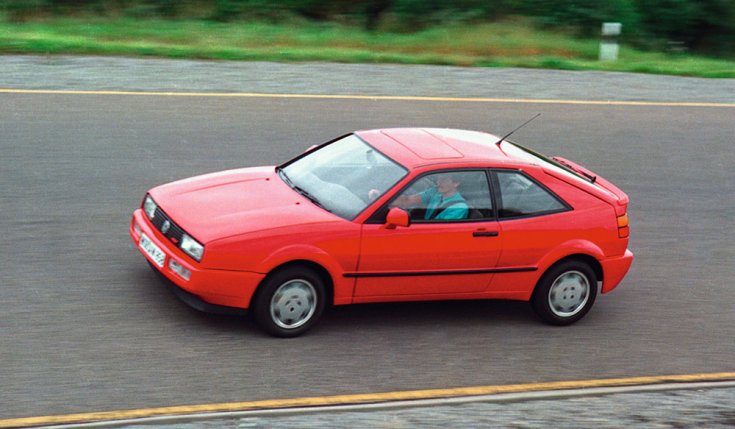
x=384 y=215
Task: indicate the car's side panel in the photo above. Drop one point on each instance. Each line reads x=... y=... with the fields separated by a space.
x=589 y=228
x=334 y=263
x=427 y=258
x=422 y=297
x=591 y=213
x=614 y=256
x=332 y=245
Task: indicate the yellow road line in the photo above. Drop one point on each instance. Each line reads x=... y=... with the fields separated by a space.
x=360 y=399
x=366 y=97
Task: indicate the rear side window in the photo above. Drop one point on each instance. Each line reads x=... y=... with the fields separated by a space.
x=520 y=196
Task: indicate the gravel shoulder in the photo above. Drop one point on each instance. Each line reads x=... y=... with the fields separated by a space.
x=126 y=74
x=711 y=408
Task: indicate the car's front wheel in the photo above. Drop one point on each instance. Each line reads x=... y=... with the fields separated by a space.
x=290 y=302
x=565 y=293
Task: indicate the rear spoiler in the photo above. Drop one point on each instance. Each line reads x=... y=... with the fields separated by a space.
x=622 y=199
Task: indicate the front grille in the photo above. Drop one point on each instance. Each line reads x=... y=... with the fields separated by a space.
x=174 y=232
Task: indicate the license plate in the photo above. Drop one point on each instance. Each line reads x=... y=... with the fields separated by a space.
x=152 y=250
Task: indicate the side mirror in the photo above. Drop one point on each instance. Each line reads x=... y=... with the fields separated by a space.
x=397 y=217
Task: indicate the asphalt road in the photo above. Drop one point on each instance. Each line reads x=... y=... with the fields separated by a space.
x=86 y=326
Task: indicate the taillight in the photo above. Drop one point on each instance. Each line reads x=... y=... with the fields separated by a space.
x=623 y=228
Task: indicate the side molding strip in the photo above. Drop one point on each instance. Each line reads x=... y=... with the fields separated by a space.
x=373 y=274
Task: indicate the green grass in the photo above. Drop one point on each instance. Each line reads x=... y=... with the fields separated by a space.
x=508 y=44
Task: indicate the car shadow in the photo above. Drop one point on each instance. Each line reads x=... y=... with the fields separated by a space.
x=405 y=316
x=358 y=317
x=431 y=313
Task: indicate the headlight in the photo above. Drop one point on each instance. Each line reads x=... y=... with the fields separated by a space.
x=191 y=247
x=149 y=207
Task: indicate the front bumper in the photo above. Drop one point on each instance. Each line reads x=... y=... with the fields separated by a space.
x=204 y=288
x=614 y=269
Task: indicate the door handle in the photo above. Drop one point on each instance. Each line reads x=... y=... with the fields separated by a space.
x=485 y=234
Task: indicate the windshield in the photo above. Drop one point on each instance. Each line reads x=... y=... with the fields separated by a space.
x=343 y=177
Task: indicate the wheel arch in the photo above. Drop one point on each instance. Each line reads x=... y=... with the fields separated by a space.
x=318 y=269
x=590 y=260
x=581 y=250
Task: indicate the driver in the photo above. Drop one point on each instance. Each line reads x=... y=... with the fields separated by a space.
x=442 y=202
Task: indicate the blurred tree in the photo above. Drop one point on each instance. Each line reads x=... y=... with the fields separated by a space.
x=148 y=8
x=231 y=10
x=374 y=11
x=21 y=10
x=706 y=25
x=415 y=14
x=716 y=24
x=317 y=10
x=669 y=19
x=586 y=16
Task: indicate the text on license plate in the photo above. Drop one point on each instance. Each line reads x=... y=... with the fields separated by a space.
x=152 y=250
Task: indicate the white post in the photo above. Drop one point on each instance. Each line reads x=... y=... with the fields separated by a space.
x=609 y=44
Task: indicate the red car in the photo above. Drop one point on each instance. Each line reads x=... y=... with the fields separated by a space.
x=389 y=215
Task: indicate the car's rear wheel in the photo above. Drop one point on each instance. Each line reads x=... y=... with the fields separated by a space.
x=565 y=293
x=290 y=302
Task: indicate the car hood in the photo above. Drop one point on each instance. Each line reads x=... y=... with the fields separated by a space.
x=234 y=202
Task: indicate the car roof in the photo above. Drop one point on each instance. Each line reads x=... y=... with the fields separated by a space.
x=415 y=147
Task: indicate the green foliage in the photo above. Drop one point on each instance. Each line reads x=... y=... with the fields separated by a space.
x=717 y=23
x=705 y=25
x=508 y=44
x=698 y=25
x=318 y=10
x=415 y=14
x=584 y=16
x=160 y=8
x=670 y=18
x=231 y=10
x=19 y=10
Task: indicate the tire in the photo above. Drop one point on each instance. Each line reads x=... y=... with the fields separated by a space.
x=290 y=302
x=565 y=293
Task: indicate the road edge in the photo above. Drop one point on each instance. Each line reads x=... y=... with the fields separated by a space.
x=398 y=399
x=365 y=97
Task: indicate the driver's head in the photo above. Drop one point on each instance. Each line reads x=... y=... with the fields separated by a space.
x=447 y=183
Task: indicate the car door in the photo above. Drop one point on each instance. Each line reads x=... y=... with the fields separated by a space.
x=446 y=250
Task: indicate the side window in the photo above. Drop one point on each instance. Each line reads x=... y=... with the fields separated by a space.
x=448 y=196
x=521 y=196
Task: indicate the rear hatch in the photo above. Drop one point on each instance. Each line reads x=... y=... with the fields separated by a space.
x=582 y=178
x=621 y=199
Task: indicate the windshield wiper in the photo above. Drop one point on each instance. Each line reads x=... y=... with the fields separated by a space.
x=310 y=197
x=284 y=176
x=588 y=176
x=300 y=190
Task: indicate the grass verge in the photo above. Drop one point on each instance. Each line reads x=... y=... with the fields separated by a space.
x=507 y=44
